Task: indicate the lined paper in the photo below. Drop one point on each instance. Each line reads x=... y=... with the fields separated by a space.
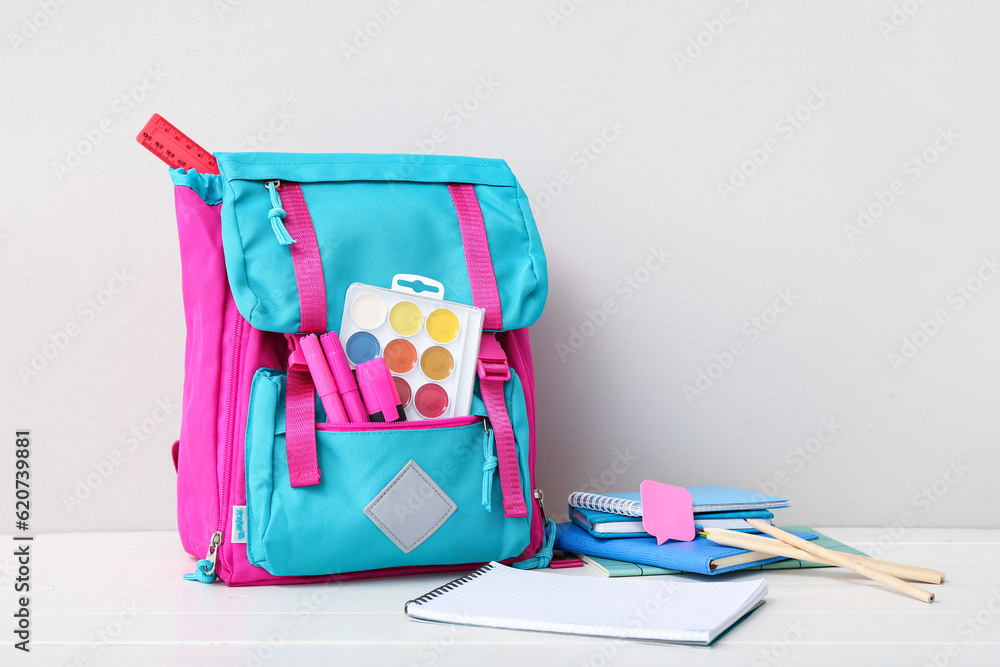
x=504 y=597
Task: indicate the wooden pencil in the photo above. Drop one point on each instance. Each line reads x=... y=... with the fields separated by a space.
x=843 y=560
x=753 y=542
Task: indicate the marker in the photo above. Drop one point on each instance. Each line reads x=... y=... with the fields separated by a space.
x=348 y=389
x=379 y=391
x=326 y=386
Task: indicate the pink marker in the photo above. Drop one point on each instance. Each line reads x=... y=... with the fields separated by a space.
x=342 y=374
x=326 y=387
x=379 y=391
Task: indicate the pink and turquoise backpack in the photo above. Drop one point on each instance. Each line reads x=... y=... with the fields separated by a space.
x=269 y=491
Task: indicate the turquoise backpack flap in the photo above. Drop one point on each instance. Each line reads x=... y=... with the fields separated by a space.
x=375 y=216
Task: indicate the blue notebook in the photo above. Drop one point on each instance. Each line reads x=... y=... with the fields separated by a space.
x=617 y=568
x=606 y=524
x=704 y=498
x=699 y=555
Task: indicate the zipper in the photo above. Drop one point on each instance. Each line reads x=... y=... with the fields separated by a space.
x=205 y=568
x=236 y=368
x=213 y=551
x=541 y=507
x=528 y=384
x=448 y=422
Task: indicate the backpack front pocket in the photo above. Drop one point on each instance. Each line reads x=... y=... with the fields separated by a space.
x=390 y=495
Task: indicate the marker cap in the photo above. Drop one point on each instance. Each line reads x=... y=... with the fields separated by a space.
x=379 y=391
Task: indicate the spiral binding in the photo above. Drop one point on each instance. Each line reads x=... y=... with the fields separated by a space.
x=594 y=501
x=450 y=586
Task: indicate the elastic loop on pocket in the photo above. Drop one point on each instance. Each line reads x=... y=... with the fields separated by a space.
x=300 y=430
x=493 y=371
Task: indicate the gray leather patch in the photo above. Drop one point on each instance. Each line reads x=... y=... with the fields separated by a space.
x=410 y=508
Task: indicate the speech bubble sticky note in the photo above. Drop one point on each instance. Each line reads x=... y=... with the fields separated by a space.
x=667 y=511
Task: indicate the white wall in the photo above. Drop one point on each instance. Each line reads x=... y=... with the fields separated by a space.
x=914 y=441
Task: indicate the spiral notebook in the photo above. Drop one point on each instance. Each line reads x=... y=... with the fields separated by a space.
x=498 y=596
x=704 y=498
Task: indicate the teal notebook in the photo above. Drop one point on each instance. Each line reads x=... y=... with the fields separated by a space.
x=617 y=568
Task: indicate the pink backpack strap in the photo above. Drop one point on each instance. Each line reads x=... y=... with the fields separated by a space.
x=477 y=254
x=492 y=366
x=300 y=402
x=305 y=259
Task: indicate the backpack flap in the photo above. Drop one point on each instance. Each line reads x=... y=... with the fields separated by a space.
x=299 y=229
x=373 y=217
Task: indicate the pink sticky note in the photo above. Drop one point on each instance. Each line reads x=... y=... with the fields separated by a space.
x=667 y=511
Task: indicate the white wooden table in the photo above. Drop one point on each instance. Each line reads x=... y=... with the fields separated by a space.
x=119 y=599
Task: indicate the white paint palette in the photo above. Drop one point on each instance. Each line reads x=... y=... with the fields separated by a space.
x=429 y=345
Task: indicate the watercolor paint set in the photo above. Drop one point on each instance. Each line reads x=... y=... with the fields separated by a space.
x=429 y=345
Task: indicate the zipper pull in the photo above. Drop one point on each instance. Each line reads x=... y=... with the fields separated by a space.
x=205 y=569
x=543 y=558
x=489 y=464
x=539 y=496
x=277 y=214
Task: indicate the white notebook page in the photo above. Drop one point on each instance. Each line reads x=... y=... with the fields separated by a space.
x=505 y=597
